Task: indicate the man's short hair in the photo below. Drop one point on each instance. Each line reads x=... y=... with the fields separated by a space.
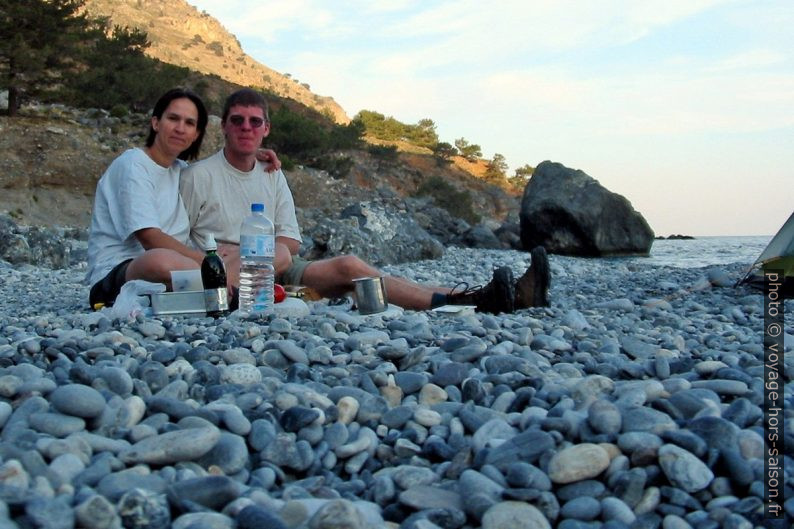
x=245 y=98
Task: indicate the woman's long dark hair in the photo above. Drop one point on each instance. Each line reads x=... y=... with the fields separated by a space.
x=192 y=152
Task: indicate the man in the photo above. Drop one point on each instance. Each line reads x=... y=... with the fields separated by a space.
x=218 y=192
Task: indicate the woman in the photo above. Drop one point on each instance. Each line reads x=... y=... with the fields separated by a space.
x=139 y=227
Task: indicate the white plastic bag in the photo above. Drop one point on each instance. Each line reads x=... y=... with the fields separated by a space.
x=133 y=299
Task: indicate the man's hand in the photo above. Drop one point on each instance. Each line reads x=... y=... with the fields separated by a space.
x=269 y=158
x=226 y=250
x=230 y=253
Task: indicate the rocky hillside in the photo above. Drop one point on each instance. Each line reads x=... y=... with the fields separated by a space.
x=52 y=157
x=182 y=35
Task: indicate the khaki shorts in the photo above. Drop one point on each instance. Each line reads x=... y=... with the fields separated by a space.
x=294 y=274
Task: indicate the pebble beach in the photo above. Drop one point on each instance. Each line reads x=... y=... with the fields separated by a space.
x=634 y=401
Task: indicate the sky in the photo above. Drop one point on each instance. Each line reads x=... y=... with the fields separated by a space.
x=685 y=107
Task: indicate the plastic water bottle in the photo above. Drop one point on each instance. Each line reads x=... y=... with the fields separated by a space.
x=257 y=251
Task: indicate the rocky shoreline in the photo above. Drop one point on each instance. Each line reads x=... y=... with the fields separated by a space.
x=634 y=401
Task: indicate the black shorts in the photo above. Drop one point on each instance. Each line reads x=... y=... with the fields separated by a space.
x=107 y=289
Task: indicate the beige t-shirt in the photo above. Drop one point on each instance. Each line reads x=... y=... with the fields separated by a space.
x=218 y=197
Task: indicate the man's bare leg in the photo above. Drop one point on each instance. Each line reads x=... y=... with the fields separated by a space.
x=410 y=295
x=334 y=277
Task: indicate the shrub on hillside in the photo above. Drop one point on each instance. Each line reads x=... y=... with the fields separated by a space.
x=287 y=163
x=457 y=202
x=119 y=111
x=347 y=136
x=337 y=166
x=496 y=171
x=470 y=151
x=384 y=152
x=443 y=153
x=216 y=47
x=295 y=135
x=305 y=139
x=423 y=134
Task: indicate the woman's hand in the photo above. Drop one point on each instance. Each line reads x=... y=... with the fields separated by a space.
x=269 y=158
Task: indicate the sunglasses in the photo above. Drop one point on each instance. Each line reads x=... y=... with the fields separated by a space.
x=254 y=121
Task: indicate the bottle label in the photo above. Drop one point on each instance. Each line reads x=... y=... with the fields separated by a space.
x=257 y=246
x=216 y=300
x=262 y=301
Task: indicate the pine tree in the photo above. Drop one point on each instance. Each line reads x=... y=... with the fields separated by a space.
x=444 y=152
x=40 y=40
x=423 y=133
x=497 y=168
x=470 y=151
x=521 y=177
x=115 y=71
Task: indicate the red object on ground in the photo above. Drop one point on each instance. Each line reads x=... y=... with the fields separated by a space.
x=279 y=294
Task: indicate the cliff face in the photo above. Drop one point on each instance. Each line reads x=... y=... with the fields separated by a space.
x=182 y=35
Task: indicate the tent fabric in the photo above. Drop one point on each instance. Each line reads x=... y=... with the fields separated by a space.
x=781 y=245
x=778 y=255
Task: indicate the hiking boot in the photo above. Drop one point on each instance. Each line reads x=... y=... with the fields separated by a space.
x=495 y=297
x=532 y=289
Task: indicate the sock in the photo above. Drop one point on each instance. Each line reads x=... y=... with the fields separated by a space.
x=438 y=300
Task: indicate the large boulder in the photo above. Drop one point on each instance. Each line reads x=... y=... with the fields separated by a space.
x=570 y=213
x=510 y=235
x=480 y=236
x=33 y=245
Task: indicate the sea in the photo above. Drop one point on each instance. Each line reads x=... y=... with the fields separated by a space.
x=706 y=251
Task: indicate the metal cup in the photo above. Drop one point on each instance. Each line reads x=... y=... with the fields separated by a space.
x=370 y=295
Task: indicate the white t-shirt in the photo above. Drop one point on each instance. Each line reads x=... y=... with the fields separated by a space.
x=134 y=193
x=218 y=197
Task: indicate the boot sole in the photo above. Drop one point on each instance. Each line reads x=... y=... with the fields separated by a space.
x=540 y=262
x=509 y=293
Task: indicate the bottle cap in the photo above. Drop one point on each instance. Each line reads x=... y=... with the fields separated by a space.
x=256 y=207
x=211 y=244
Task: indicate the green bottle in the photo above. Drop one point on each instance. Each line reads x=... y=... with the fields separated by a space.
x=213 y=276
